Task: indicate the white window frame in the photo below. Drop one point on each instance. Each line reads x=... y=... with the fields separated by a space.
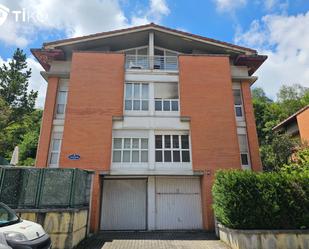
x=56 y=135
x=172 y=149
x=243 y=132
x=237 y=87
x=131 y=149
x=140 y=98
x=170 y=104
x=63 y=87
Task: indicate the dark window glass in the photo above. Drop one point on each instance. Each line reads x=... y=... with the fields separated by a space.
x=244 y=159
x=128 y=104
x=176 y=156
x=136 y=105
x=185 y=156
x=175 y=141
x=145 y=105
x=174 y=105
x=159 y=156
x=158 y=141
x=158 y=105
x=238 y=111
x=237 y=97
x=166 y=105
x=167 y=141
x=167 y=156
x=185 y=142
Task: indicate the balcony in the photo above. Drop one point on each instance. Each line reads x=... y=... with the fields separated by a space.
x=157 y=62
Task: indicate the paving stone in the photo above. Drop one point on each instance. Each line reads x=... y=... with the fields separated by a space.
x=152 y=240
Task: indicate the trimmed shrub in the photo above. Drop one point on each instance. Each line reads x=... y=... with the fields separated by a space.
x=249 y=200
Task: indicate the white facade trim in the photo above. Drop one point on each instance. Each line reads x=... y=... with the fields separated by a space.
x=147 y=76
x=151 y=122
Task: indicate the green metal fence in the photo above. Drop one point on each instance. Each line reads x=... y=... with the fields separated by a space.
x=23 y=187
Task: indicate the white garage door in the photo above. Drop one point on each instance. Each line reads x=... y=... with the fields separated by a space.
x=124 y=204
x=178 y=203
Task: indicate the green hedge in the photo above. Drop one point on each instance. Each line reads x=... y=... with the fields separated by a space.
x=248 y=200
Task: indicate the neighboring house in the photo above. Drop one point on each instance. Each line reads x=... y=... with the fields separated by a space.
x=297 y=125
x=155 y=112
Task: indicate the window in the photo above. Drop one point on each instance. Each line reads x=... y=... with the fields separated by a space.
x=61 y=102
x=166 y=96
x=243 y=147
x=130 y=150
x=137 y=58
x=136 y=97
x=172 y=148
x=61 y=99
x=238 y=103
x=55 y=149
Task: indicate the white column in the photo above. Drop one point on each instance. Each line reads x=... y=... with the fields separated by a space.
x=151 y=151
x=151 y=99
x=151 y=203
x=151 y=49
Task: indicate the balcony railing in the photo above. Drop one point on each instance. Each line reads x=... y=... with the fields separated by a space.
x=167 y=63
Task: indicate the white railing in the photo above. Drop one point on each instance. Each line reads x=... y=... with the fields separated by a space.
x=168 y=63
x=166 y=104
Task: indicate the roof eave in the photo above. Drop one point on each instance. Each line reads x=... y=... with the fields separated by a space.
x=153 y=26
x=45 y=56
x=253 y=62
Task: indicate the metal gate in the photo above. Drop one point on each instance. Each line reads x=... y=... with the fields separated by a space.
x=124 y=204
x=178 y=203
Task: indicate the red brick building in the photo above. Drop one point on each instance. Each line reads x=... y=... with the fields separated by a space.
x=297 y=125
x=154 y=112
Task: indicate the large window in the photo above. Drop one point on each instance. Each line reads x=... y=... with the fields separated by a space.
x=244 y=151
x=166 y=96
x=130 y=150
x=55 y=149
x=137 y=97
x=172 y=148
x=238 y=105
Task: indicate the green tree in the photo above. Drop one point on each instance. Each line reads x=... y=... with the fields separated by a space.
x=292 y=98
x=19 y=121
x=4 y=113
x=14 y=83
x=29 y=141
x=278 y=152
x=276 y=149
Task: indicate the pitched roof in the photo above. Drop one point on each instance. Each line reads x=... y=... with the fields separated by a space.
x=290 y=118
x=146 y=27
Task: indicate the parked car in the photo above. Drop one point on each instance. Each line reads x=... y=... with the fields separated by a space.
x=16 y=233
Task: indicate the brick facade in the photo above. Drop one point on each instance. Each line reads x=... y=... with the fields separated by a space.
x=303 y=125
x=47 y=123
x=206 y=97
x=95 y=96
x=253 y=142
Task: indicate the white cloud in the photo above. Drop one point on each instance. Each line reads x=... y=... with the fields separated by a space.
x=229 y=5
x=78 y=17
x=280 y=5
x=157 y=9
x=285 y=39
x=36 y=81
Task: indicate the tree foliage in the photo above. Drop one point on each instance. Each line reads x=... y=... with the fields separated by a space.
x=276 y=149
x=19 y=121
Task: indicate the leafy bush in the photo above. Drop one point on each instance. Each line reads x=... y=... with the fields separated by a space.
x=299 y=161
x=248 y=200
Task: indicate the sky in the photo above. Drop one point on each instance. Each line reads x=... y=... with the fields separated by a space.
x=277 y=28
